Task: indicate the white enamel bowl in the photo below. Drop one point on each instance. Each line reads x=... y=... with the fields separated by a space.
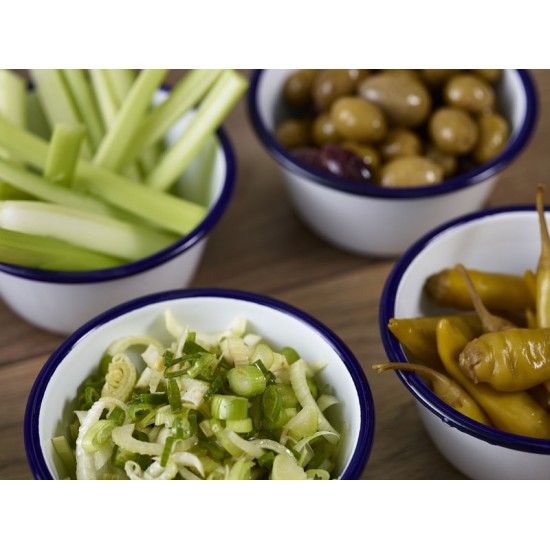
x=62 y=301
x=503 y=240
x=49 y=405
x=371 y=220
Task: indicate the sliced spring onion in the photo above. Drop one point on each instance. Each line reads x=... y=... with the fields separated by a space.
x=123 y=437
x=290 y=354
x=65 y=453
x=304 y=423
x=240 y=426
x=121 y=377
x=246 y=381
x=286 y=467
x=229 y=407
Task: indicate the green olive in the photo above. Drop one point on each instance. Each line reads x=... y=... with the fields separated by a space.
x=358 y=75
x=453 y=130
x=494 y=132
x=405 y=101
x=368 y=154
x=297 y=88
x=358 y=119
x=410 y=172
x=490 y=75
x=437 y=77
x=324 y=131
x=293 y=133
x=400 y=142
x=447 y=161
x=469 y=92
x=329 y=85
x=410 y=73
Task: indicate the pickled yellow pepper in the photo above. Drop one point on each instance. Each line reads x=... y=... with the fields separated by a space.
x=417 y=335
x=447 y=389
x=514 y=412
x=543 y=266
x=509 y=360
x=499 y=291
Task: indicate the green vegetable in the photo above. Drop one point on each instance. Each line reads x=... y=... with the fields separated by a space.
x=63 y=153
x=198 y=425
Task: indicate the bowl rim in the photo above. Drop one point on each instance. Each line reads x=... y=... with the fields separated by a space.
x=361 y=453
x=315 y=176
x=412 y=381
x=213 y=215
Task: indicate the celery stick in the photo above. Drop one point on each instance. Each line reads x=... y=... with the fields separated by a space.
x=91 y=231
x=127 y=120
x=38 y=187
x=161 y=209
x=13 y=106
x=47 y=253
x=120 y=82
x=63 y=153
x=104 y=95
x=36 y=119
x=81 y=91
x=57 y=101
x=210 y=114
x=185 y=95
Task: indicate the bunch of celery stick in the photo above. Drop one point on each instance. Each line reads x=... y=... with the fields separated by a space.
x=86 y=173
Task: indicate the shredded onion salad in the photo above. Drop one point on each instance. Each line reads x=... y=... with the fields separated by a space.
x=208 y=406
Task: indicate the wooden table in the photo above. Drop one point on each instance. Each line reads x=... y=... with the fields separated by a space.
x=261 y=246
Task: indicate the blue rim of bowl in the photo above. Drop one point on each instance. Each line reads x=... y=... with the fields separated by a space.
x=361 y=453
x=212 y=217
x=514 y=147
x=411 y=380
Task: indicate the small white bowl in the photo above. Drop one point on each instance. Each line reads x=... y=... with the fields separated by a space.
x=505 y=240
x=209 y=310
x=61 y=301
x=370 y=220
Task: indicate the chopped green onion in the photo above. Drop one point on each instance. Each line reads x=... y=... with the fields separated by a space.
x=215 y=387
x=266 y=460
x=241 y=470
x=291 y=354
x=274 y=415
x=269 y=376
x=240 y=426
x=166 y=451
x=98 y=435
x=65 y=453
x=228 y=407
x=117 y=416
x=174 y=396
x=247 y=381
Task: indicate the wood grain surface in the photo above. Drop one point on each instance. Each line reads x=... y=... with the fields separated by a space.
x=261 y=246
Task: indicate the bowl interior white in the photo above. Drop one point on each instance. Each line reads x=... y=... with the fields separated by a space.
x=506 y=242
x=208 y=314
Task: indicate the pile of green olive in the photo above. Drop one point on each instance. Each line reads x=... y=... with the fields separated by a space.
x=393 y=127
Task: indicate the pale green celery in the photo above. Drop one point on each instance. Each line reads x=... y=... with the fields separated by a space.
x=36 y=119
x=210 y=114
x=91 y=231
x=120 y=82
x=47 y=253
x=128 y=118
x=63 y=153
x=186 y=94
x=160 y=209
x=40 y=188
x=108 y=105
x=86 y=104
x=13 y=105
x=57 y=101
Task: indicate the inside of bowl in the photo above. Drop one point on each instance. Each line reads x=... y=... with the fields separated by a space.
x=207 y=315
x=505 y=243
